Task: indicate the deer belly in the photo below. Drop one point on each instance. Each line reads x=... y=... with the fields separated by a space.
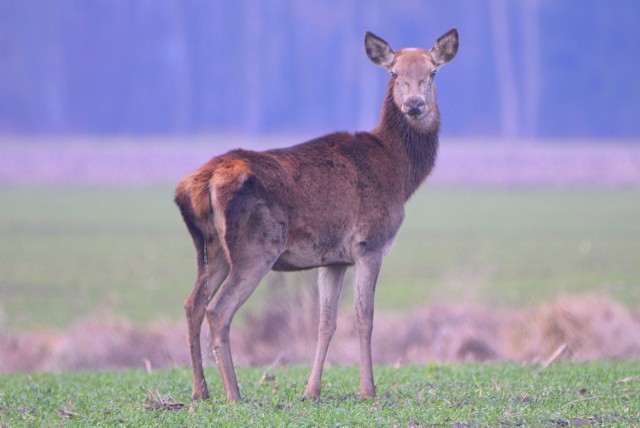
x=312 y=253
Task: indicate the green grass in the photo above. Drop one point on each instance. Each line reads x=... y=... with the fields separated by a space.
x=601 y=393
x=510 y=247
x=71 y=252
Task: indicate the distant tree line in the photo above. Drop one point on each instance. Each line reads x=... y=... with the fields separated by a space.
x=533 y=68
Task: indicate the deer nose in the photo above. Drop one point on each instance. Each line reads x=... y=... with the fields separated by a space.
x=414 y=106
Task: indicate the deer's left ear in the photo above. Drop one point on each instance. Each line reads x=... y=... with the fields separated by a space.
x=378 y=51
x=445 y=48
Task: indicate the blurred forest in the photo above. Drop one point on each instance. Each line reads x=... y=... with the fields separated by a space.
x=525 y=69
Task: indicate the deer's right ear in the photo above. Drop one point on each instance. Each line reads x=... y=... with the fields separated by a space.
x=378 y=51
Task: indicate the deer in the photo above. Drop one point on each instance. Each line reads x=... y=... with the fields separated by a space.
x=331 y=203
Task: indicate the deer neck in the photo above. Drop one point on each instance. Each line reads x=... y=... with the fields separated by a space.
x=413 y=149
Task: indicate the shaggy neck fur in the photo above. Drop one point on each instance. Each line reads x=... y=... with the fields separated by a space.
x=414 y=150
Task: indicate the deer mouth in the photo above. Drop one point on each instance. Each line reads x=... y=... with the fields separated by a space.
x=414 y=112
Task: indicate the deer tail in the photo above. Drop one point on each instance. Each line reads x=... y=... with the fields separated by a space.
x=194 y=200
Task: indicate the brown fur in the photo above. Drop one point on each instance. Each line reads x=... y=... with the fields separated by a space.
x=332 y=202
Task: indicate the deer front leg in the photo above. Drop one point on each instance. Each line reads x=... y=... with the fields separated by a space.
x=365 y=283
x=330 y=280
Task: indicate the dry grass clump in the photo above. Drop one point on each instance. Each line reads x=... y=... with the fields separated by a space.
x=576 y=328
x=94 y=344
x=116 y=344
x=23 y=352
x=460 y=333
x=583 y=327
x=590 y=327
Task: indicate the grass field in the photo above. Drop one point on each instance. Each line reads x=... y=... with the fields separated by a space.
x=72 y=252
x=602 y=394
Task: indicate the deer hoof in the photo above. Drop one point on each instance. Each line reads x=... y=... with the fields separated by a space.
x=199 y=394
x=310 y=397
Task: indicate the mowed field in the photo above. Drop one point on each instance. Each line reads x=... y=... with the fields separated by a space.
x=71 y=252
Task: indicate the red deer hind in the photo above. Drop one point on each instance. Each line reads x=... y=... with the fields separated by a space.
x=333 y=202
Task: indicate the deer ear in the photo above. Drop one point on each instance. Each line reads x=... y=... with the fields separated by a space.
x=378 y=51
x=445 y=48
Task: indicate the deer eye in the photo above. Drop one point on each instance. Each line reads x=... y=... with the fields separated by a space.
x=393 y=73
x=433 y=74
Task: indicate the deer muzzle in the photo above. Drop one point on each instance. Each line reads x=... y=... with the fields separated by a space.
x=414 y=106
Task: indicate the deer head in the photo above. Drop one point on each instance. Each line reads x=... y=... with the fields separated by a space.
x=412 y=73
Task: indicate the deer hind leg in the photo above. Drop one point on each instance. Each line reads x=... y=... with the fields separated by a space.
x=237 y=288
x=255 y=238
x=366 y=275
x=210 y=276
x=330 y=280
